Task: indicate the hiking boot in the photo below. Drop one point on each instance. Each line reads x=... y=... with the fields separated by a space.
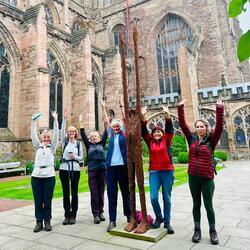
x=47 y=225
x=96 y=220
x=214 y=237
x=111 y=225
x=157 y=223
x=66 y=221
x=197 y=235
x=38 y=227
x=72 y=220
x=169 y=228
x=101 y=217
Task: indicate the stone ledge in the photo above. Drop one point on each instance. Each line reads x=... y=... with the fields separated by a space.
x=152 y=235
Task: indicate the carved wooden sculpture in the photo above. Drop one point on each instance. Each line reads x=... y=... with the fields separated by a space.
x=133 y=140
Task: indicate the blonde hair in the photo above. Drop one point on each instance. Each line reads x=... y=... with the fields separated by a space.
x=45 y=132
x=205 y=122
x=116 y=122
x=72 y=128
x=94 y=132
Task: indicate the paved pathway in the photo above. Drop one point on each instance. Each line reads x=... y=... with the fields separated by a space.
x=232 y=205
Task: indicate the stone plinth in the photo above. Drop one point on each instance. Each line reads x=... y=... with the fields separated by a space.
x=152 y=235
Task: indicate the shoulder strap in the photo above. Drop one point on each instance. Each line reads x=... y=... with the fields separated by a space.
x=78 y=147
x=65 y=144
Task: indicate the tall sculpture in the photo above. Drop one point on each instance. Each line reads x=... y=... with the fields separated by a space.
x=133 y=120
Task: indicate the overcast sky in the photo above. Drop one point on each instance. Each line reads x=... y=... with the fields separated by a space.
x=245 y=19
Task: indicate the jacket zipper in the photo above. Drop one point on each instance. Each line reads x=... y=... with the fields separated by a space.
x=196 y=160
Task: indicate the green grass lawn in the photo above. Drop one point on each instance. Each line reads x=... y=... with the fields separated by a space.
x=21 y=189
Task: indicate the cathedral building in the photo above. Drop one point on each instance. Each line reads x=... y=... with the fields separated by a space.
x=64 y=54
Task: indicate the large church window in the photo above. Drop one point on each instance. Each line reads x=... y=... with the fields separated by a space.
x=174 y=30
x=241 y=122
x=56 y=89
x=48 y=15
x=4 y=87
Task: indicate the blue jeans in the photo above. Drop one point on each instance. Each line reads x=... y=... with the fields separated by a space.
x=164 y=179
x=43 y=189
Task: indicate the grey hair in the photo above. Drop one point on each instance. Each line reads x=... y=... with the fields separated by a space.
x=116 y=122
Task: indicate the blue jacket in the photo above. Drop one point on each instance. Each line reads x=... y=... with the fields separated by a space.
x=123 y=148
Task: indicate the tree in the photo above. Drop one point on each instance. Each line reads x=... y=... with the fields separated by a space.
x=243 y=48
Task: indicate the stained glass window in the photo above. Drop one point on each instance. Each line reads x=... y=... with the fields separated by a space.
x=48 y=15
x=174 y=30
x=4 y=87
x=210 y=116
x=56 y=89
x=241 y=122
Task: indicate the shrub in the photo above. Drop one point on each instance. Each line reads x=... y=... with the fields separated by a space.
x=175 y=159
x=57 y=164
x=144 y=147
x=223 y=155
x=29 y=168
x=183 y=157
x=178 y=145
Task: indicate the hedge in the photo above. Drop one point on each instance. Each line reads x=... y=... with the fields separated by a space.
x=222 y=155
x=183 y=157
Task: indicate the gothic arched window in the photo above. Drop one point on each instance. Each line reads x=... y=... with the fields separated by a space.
x=116 y=32
x=94 y=80
x=48 y=15
x=56 y=89
x=4 y=87
x=174 y=30
x=241 y=122
x=76 y=27
x=210 y=116
x=159 y=120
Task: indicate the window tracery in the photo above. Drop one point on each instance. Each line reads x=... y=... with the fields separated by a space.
x=4 y=86
x=174 y=31
x=56 y=88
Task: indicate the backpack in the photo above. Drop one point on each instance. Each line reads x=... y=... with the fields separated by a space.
x=78 y=149
x=207 y=142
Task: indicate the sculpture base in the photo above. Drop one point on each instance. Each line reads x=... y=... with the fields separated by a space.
x=152 y=235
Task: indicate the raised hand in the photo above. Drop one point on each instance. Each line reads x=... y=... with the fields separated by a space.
x=181 y=102
x=80 y=118
x=103 y=104
x=66 y=114
x=219 y=102
x=54 y=115
x=144 y=110
x=165 y=109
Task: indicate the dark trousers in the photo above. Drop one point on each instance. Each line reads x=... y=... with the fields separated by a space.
x=70 y=180
x=204 y=186
x=43 y=189
x=115 y=175
x=97 y=182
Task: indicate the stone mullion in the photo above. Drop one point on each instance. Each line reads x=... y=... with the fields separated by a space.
x=162 y=63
